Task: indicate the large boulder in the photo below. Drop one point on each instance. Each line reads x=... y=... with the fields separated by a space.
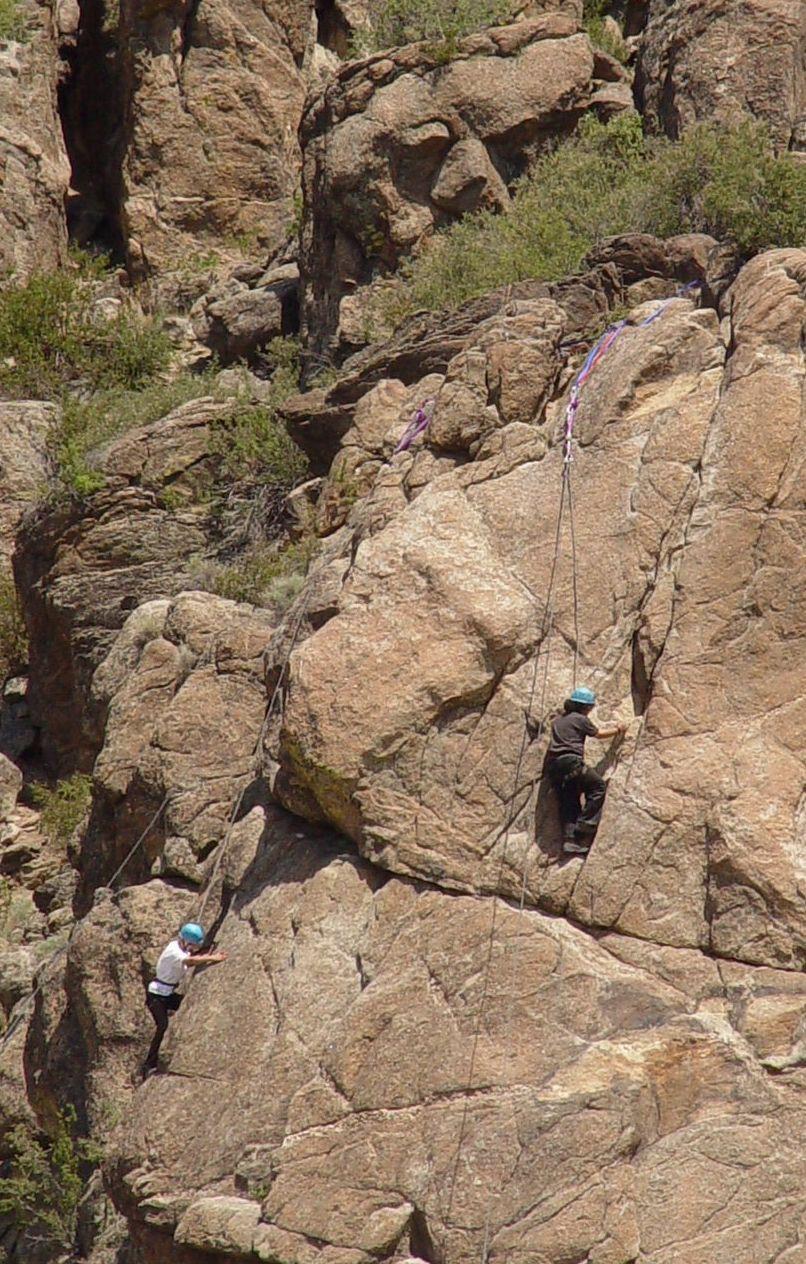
x=34 y=170
x=182 y=690
x=400 y=143
x=82 y=566
x=213 y=99
x=680 y=631
x=702 y=60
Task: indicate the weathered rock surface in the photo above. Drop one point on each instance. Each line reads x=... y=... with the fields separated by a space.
x=705 y=59
x=617 y=1109
x=183 y=693
x=398 y=145
x=236 y=320
x=82 y=567
x=450 y=573
x=390 y=1064
x=210 y=152
x=425 y=344
x=34 y=170
x=24 y=463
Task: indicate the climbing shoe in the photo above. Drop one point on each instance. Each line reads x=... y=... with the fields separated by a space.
x=576 y=846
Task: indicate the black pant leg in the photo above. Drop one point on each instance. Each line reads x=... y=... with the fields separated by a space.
x=570 y=805
x=562 y=774
x=160 y=1008
x=594 y=789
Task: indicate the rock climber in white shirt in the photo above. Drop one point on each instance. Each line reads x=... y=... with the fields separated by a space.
x=162 y=998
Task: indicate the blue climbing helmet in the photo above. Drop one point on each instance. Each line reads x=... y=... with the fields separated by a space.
x=586 y=696
x=192 y=933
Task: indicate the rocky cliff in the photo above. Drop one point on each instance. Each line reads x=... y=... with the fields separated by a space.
x=310 y=709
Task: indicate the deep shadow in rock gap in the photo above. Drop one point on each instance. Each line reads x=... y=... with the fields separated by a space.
x=90 y=104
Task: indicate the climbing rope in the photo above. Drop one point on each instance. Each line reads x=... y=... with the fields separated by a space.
x=596 y=353
x=233 y=816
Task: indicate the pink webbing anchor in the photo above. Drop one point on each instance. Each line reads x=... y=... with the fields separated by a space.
x=597 y=351
x=419 y=422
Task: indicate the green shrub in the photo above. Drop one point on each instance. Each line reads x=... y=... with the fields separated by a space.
x=609 y=179
x=63 y=806
x=51 y=337
x=13 y=636
x=608 y=41
x=265 y=575
x=254 y=445
x=89 y=423
x=395 y=22
x=44 y=1187
x=13 y=21
x=251 y=442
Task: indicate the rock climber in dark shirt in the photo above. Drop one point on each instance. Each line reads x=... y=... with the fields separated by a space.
x=569 y=774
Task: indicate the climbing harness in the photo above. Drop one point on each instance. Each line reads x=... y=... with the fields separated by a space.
x=418 y=424
x=594 y=356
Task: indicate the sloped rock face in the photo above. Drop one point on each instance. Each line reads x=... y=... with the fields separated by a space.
x=213 y=101
x=615 y=1113
x=392 y=1063
x=451 y=575
x=399 y=144
x=24 y=463
x=82 y=567
x=700 y=61
x=34 y=170
x=183 y=693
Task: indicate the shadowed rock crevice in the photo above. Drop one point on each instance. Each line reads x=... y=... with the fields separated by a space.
x=91 y=108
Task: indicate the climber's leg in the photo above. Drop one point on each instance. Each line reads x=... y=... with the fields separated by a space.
x=594 y=789
x=563 y=773
x=160 y=1008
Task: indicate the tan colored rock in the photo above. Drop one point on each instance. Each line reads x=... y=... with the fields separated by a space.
x=82 y=567
x=596 y=1086
x=453 y=589
x=34 y=170
x=10 y=786
x=210 y=147
x=182 y=690
x=24 y=462
x=391 y=156
x=703 y=60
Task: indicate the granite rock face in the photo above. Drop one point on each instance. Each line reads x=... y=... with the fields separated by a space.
x=83 y=566
x=450 y=573
x=212 y=104
x=394 y=1061
x=34 y=169
x=722 y=62
x=399 y=144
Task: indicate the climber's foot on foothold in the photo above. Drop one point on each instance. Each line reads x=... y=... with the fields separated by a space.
x=576 y=846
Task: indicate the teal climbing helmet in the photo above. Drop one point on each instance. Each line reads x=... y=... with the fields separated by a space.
x=586 y=696
x=192 y=933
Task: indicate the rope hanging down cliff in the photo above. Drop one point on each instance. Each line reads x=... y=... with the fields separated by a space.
x=594 y=356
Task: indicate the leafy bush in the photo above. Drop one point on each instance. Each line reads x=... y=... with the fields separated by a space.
x=63 y=806
x=52 y=336
x=13 y=24
x=13 y=636
x=394 y=22
x=44 y=1187
x=89 y=423
x=265 y=575
x=253 y=444
x=251 y=441
x=610 y=179
x=602 y=36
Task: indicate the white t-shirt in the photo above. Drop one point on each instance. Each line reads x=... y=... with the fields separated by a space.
x=170 y=969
